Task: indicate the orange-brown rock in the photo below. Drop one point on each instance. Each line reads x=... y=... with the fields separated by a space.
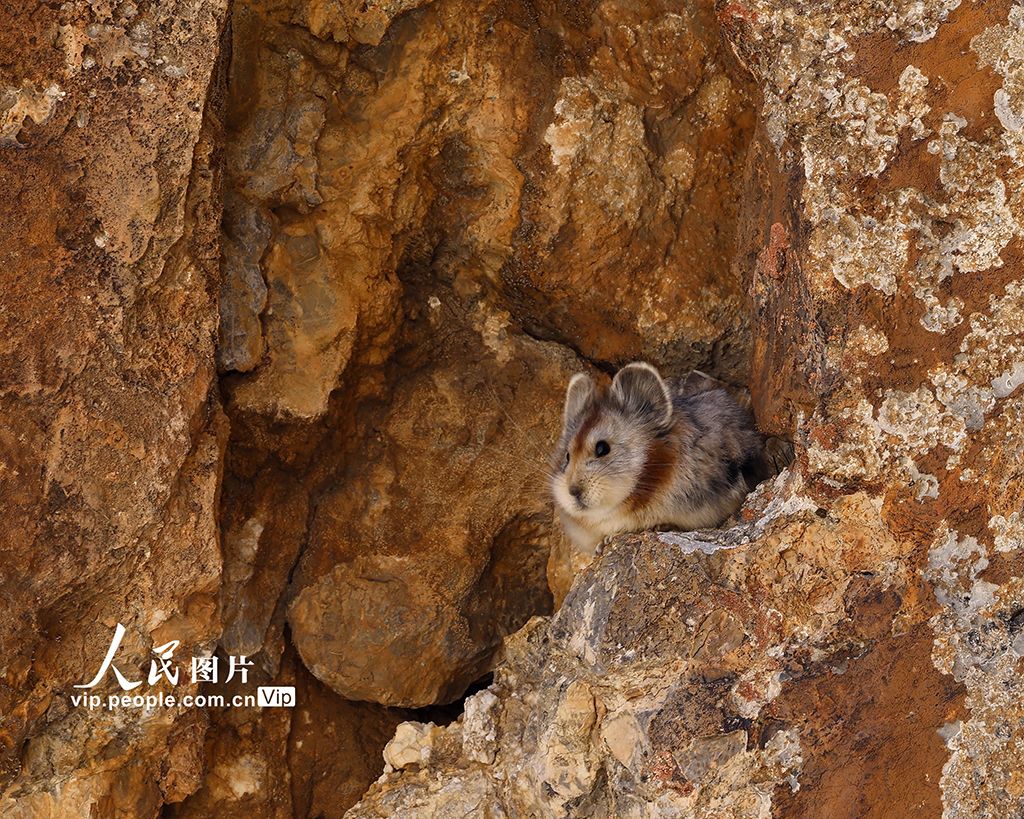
x=433 y=541
x=292 y=293
x=570 y=163
x=402 y=220
x=853 y=647
x=315 y=759
x=111 y=440
x=430 y=213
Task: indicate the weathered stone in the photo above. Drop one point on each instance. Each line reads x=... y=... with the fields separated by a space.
x=434 y=212
x=411 y=745
x=630 y=200
x=418 y=218
x=315 y=759
x=245 y=757
x=335 y=748
x=852 y=647
x=263 y=524
x=585 y=210
x=112 y=439
x=403 y=595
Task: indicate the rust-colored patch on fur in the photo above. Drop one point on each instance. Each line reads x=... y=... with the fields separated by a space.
x=657 y=471
x=588 y=423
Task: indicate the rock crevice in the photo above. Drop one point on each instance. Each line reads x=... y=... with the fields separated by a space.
x=294 y=293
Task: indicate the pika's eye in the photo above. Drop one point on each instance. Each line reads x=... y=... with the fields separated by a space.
x=602 y=449
x=567 y=457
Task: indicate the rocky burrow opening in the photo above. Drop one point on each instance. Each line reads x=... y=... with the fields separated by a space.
x=431 y=221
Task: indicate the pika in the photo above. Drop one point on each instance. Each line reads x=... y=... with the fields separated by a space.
x=648 y=452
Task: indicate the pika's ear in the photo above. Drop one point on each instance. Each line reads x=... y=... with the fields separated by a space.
x=639 y=388
x=581 y=388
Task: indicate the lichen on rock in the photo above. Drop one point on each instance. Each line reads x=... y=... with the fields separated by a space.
x=295 y=291
x=877 y=579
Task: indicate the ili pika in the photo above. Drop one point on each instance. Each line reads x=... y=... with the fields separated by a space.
x=645 y=453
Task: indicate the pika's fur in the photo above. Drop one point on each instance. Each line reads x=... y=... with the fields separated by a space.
x=648 y=452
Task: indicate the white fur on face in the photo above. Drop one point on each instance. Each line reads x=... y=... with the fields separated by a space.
x=605 y=483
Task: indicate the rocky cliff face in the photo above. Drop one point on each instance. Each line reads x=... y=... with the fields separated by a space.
x=853 y=646
x=293 y=292
x=112 y=438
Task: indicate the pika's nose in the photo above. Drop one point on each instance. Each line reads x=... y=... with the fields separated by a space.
x=576 y=491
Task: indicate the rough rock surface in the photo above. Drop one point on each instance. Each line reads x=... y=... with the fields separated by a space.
x=853 y=647
x=311 y=760
x=423 y=240
x=415 y=219
x=111 y=443
x=567 y=161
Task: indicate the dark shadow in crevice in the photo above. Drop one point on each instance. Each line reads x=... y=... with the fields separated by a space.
x=447 y=714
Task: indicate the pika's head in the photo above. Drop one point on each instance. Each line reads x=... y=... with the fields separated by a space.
x=608 y=440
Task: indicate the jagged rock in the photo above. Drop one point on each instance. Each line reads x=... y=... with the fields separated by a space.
x=431 y=194
x=112 y=439
x=315 y=759
x=411 y=745
x=629 y=201
x=262 y=532
x=433 y=542
x=585 y=210
x=434 y=212
x=852 y=647
x=665 y=683
x=618 y=706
